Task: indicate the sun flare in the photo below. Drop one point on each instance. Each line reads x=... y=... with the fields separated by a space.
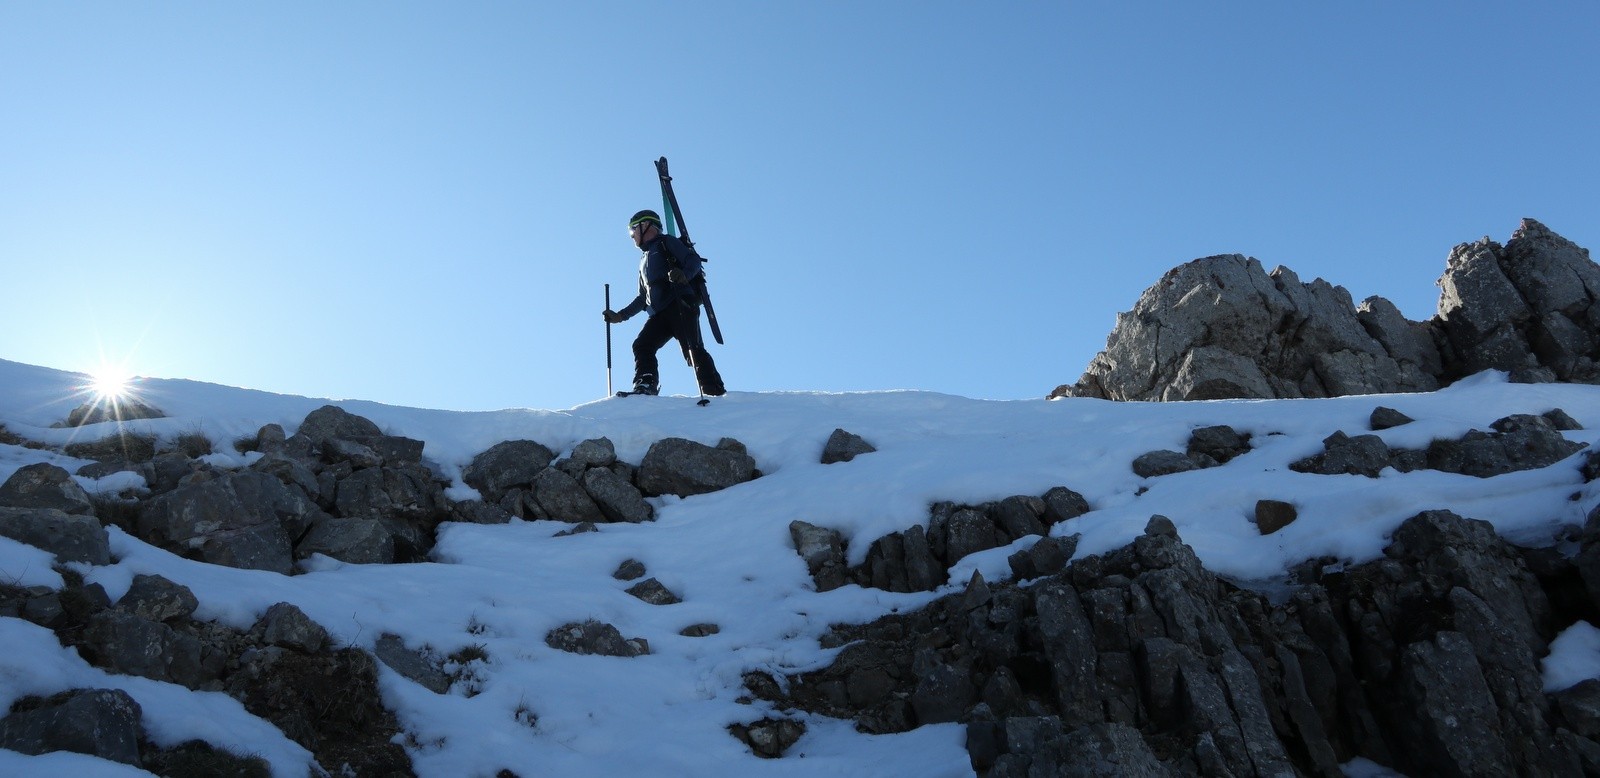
x=110 y=385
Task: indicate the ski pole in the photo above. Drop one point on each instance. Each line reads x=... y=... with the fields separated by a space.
x=608 y=341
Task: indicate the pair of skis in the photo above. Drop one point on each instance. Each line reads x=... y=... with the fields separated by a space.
x=675 y=226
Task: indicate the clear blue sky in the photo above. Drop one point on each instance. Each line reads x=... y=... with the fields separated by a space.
x=420 y=203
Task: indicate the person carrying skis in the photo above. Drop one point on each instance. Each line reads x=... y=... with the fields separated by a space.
x=667 y=274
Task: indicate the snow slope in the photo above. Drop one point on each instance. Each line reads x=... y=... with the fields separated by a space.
x=537 y=710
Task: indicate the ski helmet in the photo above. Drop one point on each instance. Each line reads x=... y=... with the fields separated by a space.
x=641 y=217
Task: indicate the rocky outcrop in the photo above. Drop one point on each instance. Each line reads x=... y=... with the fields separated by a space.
x=918 y=559
x=1141 y=662
x=1223 y=327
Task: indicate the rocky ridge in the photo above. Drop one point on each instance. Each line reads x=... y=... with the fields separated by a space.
x=1223 y=327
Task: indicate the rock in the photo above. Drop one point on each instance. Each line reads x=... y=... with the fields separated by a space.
x=823 y=552
x=1273 y=515
x=700 y=630
x=120 y=410
x=1221 y=327
x=1361 y=455
x=593 y=637
x=1220 y=443
x=355 y=541
x=1387 y=418
x=1159 y=463
x=99 y=722
x=769 y=738
x=654 y=592
x=506 y=465
x=629 y=570
x=242 y=519
x=599 y=452
x=155 y=598
x=44 y=485
x=617 y=499
x=1061 y=503
x=685 y=468
x=287 y=626
x=418 y=666
x=327 y=702
x=128 y=644
x=562 y=498
x=330 y=422
x=72 y=538
x=479 y=512
x=844 y=446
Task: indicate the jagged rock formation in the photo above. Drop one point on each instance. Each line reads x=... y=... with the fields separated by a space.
x=1222 y=327
x=1141 y=662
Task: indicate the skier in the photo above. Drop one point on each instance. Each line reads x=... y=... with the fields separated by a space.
x=667 y=273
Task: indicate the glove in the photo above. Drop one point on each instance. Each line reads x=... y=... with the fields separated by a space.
x=612 y=317
x=675 y=276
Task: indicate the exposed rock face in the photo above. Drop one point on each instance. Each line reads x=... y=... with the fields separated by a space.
x=45 y=486
x=1140 y=662
x=1223 y=327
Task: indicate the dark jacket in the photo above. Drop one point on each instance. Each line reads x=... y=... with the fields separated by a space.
x=656 y=293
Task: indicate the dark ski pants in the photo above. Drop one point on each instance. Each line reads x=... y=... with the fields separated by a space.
x=682 y=322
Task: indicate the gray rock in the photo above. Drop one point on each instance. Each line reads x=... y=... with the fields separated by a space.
x=157 y=599
x=562 y=498
x=506 y=465
x=1221 y=443
x=769 y=738
x=1383 y=418
x=593 y=637
x=1222 y=327
x=289 y=627
x=72 y=538
x=1159 y=463
x=685 y=468
x=823 y=552
x=1273 y=515
x=418 y=666
x=359 y=456
x=330 y=422
x=479 y=512
x=629 y=570
x=1061 y=503
x=99 y=722
x=356 y=541
x=598 y=452
x=654 y=592
x=125 y=643
x=125 y=409
x=844 y=446
x=242 y=519
x=617 y=499
x=1364 y=455
x=44 y=485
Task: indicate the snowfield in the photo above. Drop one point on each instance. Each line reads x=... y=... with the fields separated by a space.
x=501 y=588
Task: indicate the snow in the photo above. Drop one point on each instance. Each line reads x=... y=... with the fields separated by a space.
x=728 y=554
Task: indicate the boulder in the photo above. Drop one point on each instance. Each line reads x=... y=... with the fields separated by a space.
x=594 y=637
x=72 y=538
x=242 y=519
x=844 y=446
x=356 y=541
x=99 y=722
x=44 y=485
x=505 y=465
x=289 y=627
x=154 y=598
x=685 y=468
x=617 y=499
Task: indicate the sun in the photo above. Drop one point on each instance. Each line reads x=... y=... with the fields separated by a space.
x=110 y=385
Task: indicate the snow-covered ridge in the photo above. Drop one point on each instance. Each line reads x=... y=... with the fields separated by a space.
x=729 y=556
